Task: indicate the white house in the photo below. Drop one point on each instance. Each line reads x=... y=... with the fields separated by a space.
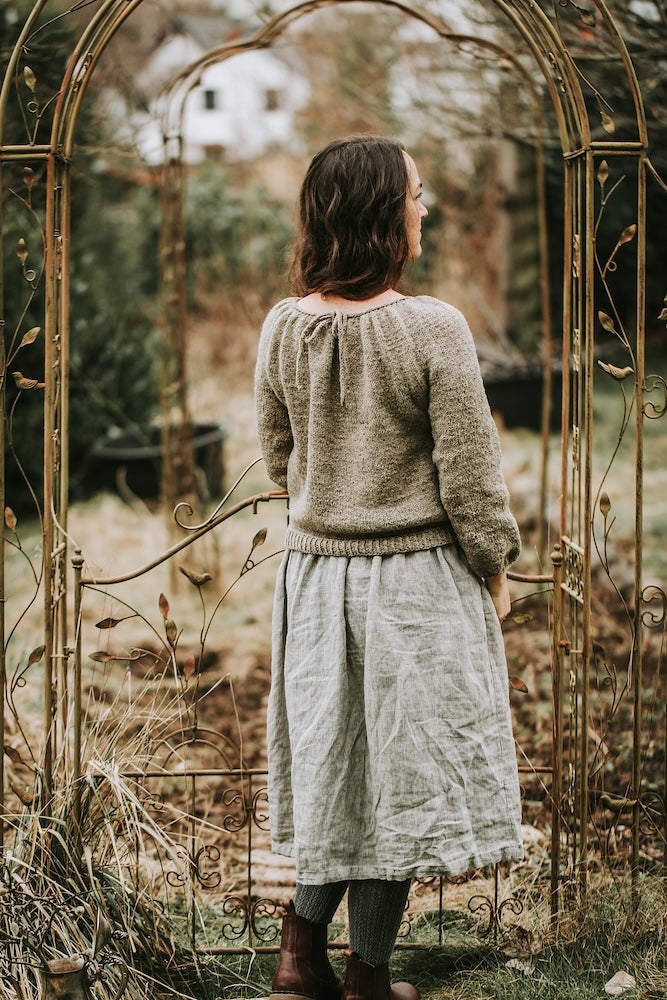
x=240 y=109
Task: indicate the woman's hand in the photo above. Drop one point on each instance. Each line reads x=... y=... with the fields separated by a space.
x=499 y=589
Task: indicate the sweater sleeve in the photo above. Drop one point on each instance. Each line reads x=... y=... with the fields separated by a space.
x=467 y=453
x=273 y=425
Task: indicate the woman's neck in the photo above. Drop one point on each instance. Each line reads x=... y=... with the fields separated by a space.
x=316 y=302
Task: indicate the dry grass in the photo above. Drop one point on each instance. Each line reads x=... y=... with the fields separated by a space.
x=115 y=537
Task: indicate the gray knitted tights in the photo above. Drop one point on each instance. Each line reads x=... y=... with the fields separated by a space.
x=375 y=910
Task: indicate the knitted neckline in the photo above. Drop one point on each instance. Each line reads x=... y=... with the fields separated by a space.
x=348 y=315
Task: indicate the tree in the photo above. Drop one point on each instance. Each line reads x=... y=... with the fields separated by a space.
x=113 y=283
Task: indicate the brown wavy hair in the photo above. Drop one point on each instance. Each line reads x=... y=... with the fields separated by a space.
x=351 y=238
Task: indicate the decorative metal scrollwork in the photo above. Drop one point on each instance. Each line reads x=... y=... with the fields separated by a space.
x=654 y=595
x=247 y=916
x=652 y=816
x=263 y=909
x=655 y=383
x=457 y=879
x=207 y=880
x=576 y=349
x=480 y=904
x=259 y=808
x=235 y=906
x=235 y=821
x=574 y=570
x=576 y=447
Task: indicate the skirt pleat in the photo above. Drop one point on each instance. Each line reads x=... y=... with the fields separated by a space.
x=390 y=741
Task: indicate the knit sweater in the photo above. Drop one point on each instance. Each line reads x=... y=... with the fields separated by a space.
x=378 y=425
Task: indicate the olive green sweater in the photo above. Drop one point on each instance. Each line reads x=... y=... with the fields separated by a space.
x=378 y=425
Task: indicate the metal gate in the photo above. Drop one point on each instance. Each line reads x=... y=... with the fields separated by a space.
x=184 y=764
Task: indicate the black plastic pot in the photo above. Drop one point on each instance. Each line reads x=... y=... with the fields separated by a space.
x=133 y=461
x=517 y=397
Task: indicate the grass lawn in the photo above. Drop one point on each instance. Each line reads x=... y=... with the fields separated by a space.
x=593 y=942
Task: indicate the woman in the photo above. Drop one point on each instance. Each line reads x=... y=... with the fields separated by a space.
x=390 y=746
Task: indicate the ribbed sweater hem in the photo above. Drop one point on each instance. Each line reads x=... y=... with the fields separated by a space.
x=375 y=545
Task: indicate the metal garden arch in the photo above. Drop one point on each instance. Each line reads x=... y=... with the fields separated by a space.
x=593 y=153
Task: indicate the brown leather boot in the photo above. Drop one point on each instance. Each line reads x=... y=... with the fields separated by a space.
x=299 y=949
x=364 y=981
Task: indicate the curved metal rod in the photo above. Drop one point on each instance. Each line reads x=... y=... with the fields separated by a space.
x=522 y=578
x=251 y=501
x=12 y=65
x=188 y=78
x=187 y=507
x=629 y=69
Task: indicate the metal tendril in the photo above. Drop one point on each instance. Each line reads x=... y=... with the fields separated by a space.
x=187 y=507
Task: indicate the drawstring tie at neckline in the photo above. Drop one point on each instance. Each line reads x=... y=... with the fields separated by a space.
x=333 y=328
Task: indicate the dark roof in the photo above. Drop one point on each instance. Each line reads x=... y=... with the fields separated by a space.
x=208 y=30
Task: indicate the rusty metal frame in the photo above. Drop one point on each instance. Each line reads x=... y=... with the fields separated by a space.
x=583 y=155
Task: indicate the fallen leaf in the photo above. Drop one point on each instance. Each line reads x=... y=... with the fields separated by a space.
x=619 y=983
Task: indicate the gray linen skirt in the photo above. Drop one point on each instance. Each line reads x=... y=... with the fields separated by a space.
x=389 y=734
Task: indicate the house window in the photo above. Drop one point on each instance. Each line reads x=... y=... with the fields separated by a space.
x=272 y=100
x=214 y=152
x=210 y=100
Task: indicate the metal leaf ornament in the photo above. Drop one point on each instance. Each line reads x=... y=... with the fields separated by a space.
x=607 y=123
x=607 y=322
x=109 y=622
x=628 y=234
x=36 y=655
x=30 y=79
x=259 y=539
x=22 y=251
x=30 y=337
x=603 y=173
x=171 y=631
x=163 y=604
